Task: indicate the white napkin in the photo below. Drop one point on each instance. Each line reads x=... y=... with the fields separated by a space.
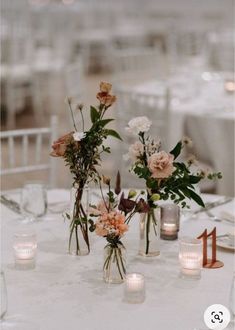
x=227 y=216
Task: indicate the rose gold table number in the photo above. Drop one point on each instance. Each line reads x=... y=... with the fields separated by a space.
x=213 y=262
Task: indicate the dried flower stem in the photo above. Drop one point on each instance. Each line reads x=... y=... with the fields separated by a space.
x=71 y=110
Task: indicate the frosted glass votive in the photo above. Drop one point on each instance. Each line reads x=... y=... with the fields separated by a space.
x=170 y=219
x=190 y=257
x=134 y=288
x=25 y=248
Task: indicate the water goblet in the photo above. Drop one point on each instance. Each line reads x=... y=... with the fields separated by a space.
x=33 y=201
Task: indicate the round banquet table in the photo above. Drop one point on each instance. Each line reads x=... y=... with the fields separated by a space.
x=66 y=292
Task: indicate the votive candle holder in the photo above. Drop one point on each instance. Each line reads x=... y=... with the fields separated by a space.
x=134 y=288
x=25 y=248
x=190 y=257
x=170 y=221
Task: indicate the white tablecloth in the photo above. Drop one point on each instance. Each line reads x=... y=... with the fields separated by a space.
x=65 y=292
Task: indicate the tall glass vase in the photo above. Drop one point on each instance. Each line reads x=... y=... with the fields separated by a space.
x=150 y=233
x=114 y=268
x=79 y=238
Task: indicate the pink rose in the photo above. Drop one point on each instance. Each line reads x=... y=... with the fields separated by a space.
x=59 y=146
x=161 y=165
x=135 y=150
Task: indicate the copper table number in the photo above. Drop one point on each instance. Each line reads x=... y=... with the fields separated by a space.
x=213 y=262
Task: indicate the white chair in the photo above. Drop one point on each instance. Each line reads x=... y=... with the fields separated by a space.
x=74 y=80
x=25 y=151
x=134 y=65
x=18 y=57
x=221 y=51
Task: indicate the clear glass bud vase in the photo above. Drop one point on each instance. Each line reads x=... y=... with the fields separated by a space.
x=150 y=233
x=79 y=238
x=114 y=268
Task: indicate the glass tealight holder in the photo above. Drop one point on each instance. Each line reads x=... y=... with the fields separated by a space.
x=190 y=257
x=170 y=220
x=134 y=288
x=229 y=86
x=25 y=248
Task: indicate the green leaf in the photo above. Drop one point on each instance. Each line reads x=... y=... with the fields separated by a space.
x=186 y=192
x=194 y=179
x=196 y=198
x=94 y=114
x=104 y=122
x=113 y=133
x=177 y=150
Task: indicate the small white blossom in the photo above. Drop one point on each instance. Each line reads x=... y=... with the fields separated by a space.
x=186 y=141
x=78 y=136
x=153 y=147
x=139 y=124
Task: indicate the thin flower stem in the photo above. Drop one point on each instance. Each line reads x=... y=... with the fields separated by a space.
x=147 y=233
x=128 y=219
x=154 y=223
x=109 y=264
x=102 y=194
x=77 y=243
x=119 y=269
x=71 y=110
x=83 y=125
x=121 y=259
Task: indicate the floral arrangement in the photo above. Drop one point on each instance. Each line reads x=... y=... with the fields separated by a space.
x=165 y=177
x=114 y=213
x=81 y=151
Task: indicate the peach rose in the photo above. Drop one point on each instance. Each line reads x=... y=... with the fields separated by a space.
x=60 y=145
x=106 y=99
x=161 y=165
x=103 y=96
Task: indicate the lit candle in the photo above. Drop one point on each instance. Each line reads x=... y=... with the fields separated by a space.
x=169 y=227
x=170 y=217
x=190 y=260
x=25 y=247
x=190 y=257
x=230 y=86
x=134 y=288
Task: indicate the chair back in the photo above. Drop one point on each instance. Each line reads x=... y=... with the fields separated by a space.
x=25 y=151
x=137 y=64
x=74 y=80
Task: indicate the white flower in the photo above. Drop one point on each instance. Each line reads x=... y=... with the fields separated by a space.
x=78 y=136
x=139 y=124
